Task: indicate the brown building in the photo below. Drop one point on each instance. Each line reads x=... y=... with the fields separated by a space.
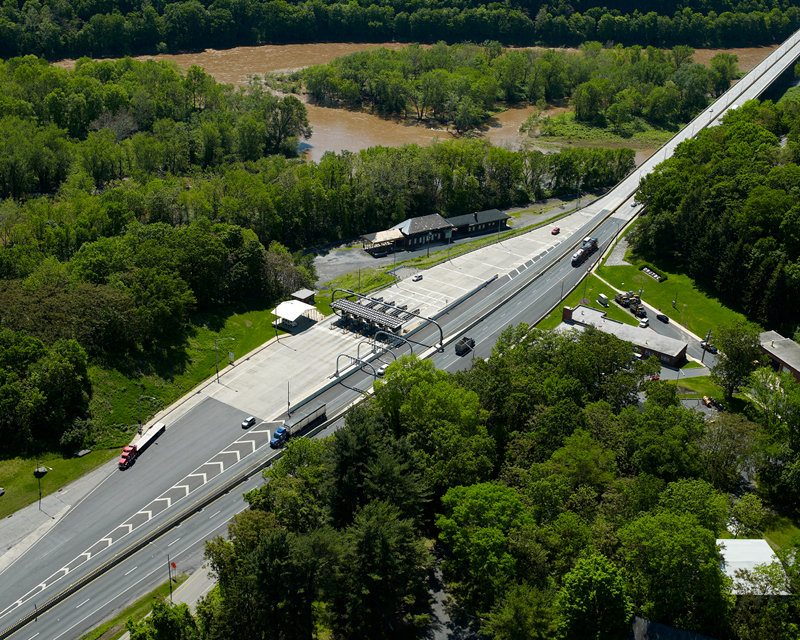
x=784 y=354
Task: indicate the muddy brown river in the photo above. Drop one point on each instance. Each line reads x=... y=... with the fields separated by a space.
x=337 y=129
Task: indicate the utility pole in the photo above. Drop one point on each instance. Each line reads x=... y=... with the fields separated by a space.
x=708 y=337
x=288 y=403
x=169 y=568
x=216 y=355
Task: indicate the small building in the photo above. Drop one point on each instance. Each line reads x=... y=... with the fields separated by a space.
x=491 y=220
x=784 y=354
x=648 y=343
x=424 y=230
x=744 y=555
x=304 y=295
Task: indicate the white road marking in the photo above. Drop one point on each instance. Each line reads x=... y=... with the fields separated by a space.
x=83 y=603
x=33 y=636
x=173 y=542
x=212 y=515
x=132 y=570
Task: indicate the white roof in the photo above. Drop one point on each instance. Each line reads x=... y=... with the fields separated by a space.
x=743 y=554
x=292 y=310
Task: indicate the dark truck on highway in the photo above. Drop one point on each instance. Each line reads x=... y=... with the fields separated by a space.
x=465 y=345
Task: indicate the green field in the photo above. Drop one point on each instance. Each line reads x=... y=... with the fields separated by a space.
x=564 y=127
x=593 y=287
x=694 y=308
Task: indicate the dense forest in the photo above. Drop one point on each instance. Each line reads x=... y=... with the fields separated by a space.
x=725 y=209
x=461 y=83
x=135 y=196
x=119 y=27
x=555 y=505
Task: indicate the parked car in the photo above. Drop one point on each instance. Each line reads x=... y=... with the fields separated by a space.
x=663 y=318
x=708 y=347
x=644 y=323
x=556 y=231
x=248 y=422
x=382 y=370
x=417 y=277
x=706 y=401
x=649 y=378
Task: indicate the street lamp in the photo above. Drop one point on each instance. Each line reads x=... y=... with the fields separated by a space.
x=39 y=472
x=169 y=568
x=430 y=237
x=139 y=404
x=216 y=354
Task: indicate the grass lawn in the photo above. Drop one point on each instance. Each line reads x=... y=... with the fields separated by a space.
x=115 y=627
x=564 y=127
x=594 y=286
x=691 y=364
x=779 y=531
x=694 y=309
x=16 y=476
x=705 y=386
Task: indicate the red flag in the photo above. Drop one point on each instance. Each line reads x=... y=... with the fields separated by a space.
x=173 y=565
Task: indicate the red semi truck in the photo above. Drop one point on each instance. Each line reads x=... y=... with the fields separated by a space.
x=131 y=452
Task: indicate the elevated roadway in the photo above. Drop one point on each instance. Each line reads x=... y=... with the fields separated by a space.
x=202 y=438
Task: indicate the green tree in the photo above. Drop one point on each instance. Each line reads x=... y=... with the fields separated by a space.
x=165 y=622
x=382 y=567
x=672 y=570
x=739 y=351
x=523 y=613
x=592 y=602
x=476 y=526
x=699 y=499
x=748 y=515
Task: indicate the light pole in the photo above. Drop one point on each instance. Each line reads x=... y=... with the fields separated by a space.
x=169 y=568
x=216 y=354
x=430 y=237
x=139 y=404
x=39 y=472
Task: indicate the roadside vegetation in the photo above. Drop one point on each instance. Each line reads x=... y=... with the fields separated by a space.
x=724 y=211
x=114 y=28
x=617 y=93
x=139 y=610
x=554 y=501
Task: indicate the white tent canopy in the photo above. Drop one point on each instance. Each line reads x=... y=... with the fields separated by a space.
x=292 y=310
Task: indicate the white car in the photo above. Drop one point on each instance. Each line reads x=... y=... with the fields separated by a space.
x=417 y=278
x=382 y=370
x=644 y=323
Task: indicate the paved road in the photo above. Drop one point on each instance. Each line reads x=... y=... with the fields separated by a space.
x=87 y=535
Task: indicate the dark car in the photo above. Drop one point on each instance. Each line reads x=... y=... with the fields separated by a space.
x=663 y=318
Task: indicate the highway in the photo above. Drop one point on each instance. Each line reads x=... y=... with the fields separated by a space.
x=203 y=444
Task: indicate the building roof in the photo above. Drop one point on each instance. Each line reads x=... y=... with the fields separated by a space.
x=389 y=235
x=368 y=313
x=644 y=338
x=783 y=349
x=479 y=217
x=743 y=554
x=291 y=310
x=302 y=294
x=413 y=226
